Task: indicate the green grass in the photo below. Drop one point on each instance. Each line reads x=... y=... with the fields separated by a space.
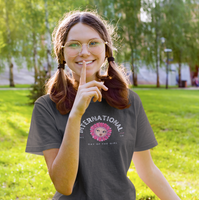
x=22 y=175
x=16 y=86
x=155 y=87
x=174 y=117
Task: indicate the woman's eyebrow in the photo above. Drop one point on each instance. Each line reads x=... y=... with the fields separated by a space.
x=79 y=40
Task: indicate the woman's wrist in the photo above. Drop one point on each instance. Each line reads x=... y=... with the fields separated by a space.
x=75 y=115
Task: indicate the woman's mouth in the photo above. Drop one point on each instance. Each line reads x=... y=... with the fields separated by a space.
x=87 y=63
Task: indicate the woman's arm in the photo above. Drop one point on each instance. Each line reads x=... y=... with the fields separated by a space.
x=152 y=176
x=63 y=162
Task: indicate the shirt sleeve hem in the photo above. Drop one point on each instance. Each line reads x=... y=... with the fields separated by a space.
x=38 y=150
x=149 y=146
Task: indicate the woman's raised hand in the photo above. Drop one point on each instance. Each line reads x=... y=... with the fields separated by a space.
x=85 y=93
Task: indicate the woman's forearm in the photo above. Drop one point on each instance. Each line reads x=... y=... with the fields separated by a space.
x=65 y=166
x=159 y=185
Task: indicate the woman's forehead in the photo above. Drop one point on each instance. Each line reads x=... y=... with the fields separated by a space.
x=82 y=32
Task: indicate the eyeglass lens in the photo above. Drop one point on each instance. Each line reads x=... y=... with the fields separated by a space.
x=95 y=47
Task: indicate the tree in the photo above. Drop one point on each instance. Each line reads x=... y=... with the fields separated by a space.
x=33 y=47
x=152 y=34
x=7 y=29
x=48 y=39
x=177 y=30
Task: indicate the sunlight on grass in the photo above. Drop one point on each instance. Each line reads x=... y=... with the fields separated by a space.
x=22 y=175
x=16 y=86
x=174 y=117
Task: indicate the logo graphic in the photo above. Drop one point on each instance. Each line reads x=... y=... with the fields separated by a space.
x=100 y=131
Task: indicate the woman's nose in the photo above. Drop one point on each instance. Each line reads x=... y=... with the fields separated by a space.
x=84 y=50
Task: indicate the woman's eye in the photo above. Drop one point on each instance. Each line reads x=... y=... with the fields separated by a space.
x=74 y=45
x=93 y=43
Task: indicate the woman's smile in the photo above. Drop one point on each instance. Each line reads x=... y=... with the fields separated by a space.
x=87 y=62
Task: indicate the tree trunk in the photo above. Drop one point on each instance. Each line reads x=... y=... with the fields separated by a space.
x=35 y=56
x=49 y=59
x=158 y=80
x=134 y=71
x=179 y=71
x=157 y=63
x=157 y=49
x=135 y=83
x=11 y=75
x=34 y=41
x=179 y=75
x=157 y=53
x=9 y=46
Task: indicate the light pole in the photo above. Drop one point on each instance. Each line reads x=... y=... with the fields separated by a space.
x=167 y=69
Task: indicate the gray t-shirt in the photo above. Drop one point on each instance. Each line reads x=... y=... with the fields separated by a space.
x=108 y=138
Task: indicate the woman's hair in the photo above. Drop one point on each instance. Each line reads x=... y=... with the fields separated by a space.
x=62 y=88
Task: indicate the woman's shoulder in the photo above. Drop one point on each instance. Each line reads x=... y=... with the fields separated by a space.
x=133 y=96
x=45 y=101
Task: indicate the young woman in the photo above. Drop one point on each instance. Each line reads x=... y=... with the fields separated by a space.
x=90 y=126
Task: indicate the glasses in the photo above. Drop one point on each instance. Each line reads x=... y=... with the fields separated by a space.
x=74 y=48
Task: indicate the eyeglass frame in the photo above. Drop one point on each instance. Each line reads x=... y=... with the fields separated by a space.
x=105 y=43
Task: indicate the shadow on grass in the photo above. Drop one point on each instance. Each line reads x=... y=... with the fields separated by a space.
x=17 y=129
x=22 y=104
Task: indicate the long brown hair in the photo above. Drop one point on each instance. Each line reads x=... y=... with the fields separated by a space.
x=62 y=88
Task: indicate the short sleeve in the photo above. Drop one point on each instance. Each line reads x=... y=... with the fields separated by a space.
x=145 y=138
x=43 y=133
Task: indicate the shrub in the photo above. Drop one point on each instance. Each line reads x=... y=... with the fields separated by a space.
x=38 y=88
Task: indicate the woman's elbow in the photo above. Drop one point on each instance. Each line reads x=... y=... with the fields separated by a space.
x=63 y=190
x=62 y=185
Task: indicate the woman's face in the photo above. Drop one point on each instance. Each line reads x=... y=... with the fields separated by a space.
x=83 y=34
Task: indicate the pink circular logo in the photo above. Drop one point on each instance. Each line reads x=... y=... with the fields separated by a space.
x=100 y=132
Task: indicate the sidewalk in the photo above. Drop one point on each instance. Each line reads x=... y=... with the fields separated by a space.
x=188 y=88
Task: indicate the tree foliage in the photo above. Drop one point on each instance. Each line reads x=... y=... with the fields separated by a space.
x=141 y=39
x=25 y=28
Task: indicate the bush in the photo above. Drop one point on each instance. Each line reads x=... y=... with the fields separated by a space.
x=38 y=88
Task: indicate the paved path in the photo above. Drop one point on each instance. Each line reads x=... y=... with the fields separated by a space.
x=22 y=76
x=188 y=88
x=25 y=76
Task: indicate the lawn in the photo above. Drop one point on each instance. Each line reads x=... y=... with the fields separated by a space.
x=174 y=117
x=16 y=86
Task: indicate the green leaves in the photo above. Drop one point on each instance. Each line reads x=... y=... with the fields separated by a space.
x=23 y=30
